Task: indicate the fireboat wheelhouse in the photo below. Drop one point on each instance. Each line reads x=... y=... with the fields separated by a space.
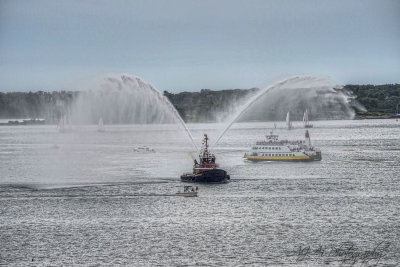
x=206 y=171
x=273 y=149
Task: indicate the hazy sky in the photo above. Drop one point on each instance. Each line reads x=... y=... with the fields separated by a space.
x=187 y=45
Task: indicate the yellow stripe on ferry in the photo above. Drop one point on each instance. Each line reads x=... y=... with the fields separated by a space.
x=276 y=157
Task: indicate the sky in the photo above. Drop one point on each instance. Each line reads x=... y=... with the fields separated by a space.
x=187 y=45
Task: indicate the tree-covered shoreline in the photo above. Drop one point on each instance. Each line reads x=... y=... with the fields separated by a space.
x=204 y=106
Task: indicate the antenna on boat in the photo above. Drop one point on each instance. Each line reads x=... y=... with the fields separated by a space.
x=206 y=140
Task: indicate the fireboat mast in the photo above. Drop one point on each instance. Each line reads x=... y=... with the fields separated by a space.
x=206 y=171
x=205 y=149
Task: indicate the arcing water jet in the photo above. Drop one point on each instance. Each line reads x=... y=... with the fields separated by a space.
x=126 y=99
x=321 y=95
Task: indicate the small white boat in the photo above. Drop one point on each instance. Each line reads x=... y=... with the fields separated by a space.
x=188 y=191
x=143 y=149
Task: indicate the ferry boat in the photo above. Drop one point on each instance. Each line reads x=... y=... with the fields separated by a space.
x=206 y=171
x=273 y=149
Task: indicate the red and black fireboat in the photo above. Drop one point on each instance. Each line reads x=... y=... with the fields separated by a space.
x=205 y=171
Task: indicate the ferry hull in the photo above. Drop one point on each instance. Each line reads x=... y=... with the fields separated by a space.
x=210 y=176
x=317 y=157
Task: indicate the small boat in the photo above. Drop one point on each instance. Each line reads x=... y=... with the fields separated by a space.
x=273 y=149
x=306 y=121
x=144 y=149
x=206 y=171
x=288 y=122
x=188 y=191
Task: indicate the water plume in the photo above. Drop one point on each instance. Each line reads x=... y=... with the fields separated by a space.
x=323 y=98
x=126 y=99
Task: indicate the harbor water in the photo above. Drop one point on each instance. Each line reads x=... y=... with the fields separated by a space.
x=85 y=197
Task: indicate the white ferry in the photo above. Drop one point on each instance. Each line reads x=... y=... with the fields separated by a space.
x=273 y=149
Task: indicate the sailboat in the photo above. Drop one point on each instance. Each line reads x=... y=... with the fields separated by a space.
x=100 y=126
x=306 y=121
x=64 y=124
x=288 y=122
x=61 y=125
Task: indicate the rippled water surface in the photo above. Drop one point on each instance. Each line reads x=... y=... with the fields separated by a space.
x=87 y=197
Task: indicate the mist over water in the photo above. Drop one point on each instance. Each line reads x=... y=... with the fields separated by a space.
x=126 y=99
x=123 y=99
x=322 y=97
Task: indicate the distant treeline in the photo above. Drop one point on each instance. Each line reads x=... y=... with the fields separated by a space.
x=203 y=106
x=377 y=99
x=208 y=105
x=46 y=105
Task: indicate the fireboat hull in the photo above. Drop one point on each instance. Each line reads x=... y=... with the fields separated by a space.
x=210 y=176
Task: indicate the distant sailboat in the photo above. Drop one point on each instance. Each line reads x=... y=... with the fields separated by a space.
x=100 y=126
x=306 y=120
x=61 y=125
x=288 y=122
x=64 y=125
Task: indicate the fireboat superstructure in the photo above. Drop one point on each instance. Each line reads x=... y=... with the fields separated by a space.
x=273 y=149
x=206 y=171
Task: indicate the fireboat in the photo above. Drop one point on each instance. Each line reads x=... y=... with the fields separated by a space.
x=206 y=171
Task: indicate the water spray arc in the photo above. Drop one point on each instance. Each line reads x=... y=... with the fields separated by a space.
x=164 y=100
x=127 y=99
x=251 y=102
x=296 y=93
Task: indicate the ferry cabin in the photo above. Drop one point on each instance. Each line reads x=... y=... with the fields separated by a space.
x=275 y=152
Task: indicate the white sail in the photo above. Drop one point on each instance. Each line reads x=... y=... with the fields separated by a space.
x=306 y=121
x=305 y=118
x=288 y=122
x=100 y=126
x=65 y=125
x=61 y=125
x=288 y=118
